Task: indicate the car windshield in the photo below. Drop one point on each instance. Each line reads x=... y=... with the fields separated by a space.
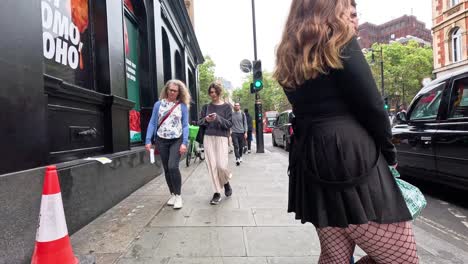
x=271 y=122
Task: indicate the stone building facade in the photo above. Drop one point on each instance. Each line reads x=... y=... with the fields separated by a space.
x=450 y=43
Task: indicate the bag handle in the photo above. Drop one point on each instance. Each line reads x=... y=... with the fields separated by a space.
x=167 y=115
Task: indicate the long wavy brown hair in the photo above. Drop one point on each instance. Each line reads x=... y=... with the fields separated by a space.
x=184 y=94
x=314 y=34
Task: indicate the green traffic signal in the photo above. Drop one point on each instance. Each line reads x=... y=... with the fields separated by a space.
x=386 y=107
x=258 y=84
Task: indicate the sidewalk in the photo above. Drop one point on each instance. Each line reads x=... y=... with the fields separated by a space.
x=251 y=227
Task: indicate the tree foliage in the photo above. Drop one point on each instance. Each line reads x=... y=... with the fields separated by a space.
x=206 y=75
x=405 y=66
x=272 y=95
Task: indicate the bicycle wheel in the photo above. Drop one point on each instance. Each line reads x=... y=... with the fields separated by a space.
x=188 y=158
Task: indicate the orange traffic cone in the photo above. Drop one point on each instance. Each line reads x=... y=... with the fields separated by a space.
x=52 y=241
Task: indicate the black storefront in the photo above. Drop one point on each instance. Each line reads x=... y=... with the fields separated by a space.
x=79 y=79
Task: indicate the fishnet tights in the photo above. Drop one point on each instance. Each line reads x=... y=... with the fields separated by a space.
x=383 y=243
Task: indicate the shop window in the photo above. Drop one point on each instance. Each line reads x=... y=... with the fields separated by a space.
x=166 y=56
x=67 y=42
x=135 y=49
x=179 y=67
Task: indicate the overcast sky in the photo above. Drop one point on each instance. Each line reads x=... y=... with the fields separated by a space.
x=224 y=28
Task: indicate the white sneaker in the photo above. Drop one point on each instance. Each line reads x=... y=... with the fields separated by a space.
x=240 y=159
x=237 y=162
x=178 y=202
x=171 y=200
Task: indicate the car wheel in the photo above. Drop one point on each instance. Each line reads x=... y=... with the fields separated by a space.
x=285 y=144
x=273 y=140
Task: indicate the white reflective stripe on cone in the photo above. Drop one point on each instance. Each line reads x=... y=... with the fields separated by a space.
x=52 y=224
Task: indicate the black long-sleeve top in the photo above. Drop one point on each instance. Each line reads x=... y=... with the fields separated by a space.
x=351 y=90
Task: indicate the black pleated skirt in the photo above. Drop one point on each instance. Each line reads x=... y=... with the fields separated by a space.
x=338 y=177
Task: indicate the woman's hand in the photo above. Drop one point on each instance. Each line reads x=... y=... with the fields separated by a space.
x=210 y=118
x=148 y=147
x=182 y=149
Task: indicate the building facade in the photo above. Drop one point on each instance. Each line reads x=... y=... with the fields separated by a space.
x=402 y=27
x=450 y=35
x=80 y=78
x=190 y=10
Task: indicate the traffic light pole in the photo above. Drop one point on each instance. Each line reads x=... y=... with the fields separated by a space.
x=258 y=102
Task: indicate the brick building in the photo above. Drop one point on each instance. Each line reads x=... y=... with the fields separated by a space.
x=450 y=40
x=397 y=28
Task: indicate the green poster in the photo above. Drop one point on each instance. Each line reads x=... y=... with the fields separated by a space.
x=133 y=87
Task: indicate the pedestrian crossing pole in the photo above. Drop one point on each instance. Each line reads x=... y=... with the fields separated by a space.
x=258 y=102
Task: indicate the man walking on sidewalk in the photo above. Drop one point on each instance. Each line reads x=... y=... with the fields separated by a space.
x=239 y=132
x=249 y=130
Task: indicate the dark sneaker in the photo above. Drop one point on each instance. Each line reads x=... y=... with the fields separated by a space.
x=227 y=189
x=216 y=198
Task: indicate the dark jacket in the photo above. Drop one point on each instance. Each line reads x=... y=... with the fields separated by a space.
x=249 y=122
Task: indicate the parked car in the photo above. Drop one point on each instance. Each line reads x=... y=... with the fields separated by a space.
x=282 y=130
x=432 y=137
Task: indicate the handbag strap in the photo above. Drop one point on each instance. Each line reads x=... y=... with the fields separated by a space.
x=167 y=115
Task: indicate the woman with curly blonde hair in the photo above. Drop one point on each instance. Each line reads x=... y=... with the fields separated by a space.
x=169 y=127
x=341 y=149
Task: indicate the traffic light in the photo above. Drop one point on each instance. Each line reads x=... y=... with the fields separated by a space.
x=257 y=76
x=386 y=106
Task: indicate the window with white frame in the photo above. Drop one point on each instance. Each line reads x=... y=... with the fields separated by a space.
x=454 y=2
x=456 y=45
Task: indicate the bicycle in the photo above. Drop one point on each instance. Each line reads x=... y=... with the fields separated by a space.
x=195 y=150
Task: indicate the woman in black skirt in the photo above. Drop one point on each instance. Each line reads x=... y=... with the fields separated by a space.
x=339 y=175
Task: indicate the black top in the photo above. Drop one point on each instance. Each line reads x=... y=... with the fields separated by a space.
x=351 y=90
x=249 y=122
x=220 y=127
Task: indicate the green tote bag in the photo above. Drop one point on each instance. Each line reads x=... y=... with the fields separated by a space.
x=414 y=198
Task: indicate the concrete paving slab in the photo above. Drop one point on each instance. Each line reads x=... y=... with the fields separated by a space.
x=144 y=261
x=276 y=201
x=221 y=217
x=106 y=258
x=292 y=260
x=281 y=241
x=245 y=260
x=267 y=189
x=188 y=242
x=170 y=217
x=203 y=202
x=196 y=261
x=114 y=230
x=275 y=217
